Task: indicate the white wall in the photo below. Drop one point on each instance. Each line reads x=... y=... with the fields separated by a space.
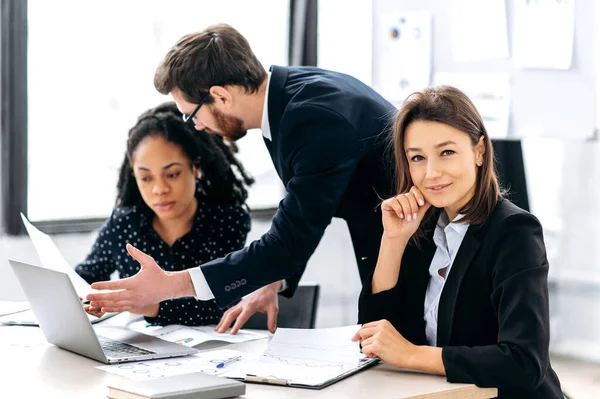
x=546 y=103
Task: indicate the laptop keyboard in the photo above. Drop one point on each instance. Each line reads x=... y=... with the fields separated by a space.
x=119 y=349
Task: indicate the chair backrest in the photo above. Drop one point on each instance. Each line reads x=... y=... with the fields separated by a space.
x=511 y=170
x=299 y=311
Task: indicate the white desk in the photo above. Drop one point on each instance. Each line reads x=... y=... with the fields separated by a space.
x=45 y=371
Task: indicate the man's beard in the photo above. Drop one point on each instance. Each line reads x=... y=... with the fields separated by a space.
x=231 y=128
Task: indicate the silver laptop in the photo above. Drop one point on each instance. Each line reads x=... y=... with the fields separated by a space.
x=65 y=324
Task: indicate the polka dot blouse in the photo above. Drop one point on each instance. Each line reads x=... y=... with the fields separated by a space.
x=216 y=231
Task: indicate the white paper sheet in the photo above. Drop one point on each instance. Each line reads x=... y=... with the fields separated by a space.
x=10 y=307
x=51 y=258
x=204 y=362
x=490 y=92
x=401 y=54
x=479 y=30
x=322 y=347
x=543 y=33
x=309 y=357
x=192 y=336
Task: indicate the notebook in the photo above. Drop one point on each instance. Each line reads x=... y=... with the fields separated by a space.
x=185 y=386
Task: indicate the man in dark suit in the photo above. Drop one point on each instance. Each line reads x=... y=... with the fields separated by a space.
x=327 y=135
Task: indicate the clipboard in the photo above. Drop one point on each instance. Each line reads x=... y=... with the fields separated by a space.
x=279 y=380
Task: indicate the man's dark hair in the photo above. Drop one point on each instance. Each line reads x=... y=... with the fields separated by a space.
x=217 y=56
x=223 y=179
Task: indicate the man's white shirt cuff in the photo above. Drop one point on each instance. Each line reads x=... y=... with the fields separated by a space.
x=203 y=291
x=284 y=286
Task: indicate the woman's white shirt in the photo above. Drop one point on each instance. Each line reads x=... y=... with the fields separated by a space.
x=447 y=238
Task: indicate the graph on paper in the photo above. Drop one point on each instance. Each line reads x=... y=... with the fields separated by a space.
x=310 y=357
x=319 y=348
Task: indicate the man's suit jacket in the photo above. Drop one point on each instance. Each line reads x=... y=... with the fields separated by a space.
x=493 y=318
x=330 y=147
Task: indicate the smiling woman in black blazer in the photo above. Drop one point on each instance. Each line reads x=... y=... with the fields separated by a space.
x=460 y=287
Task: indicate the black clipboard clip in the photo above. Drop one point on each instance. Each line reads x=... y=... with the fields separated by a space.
x=266 y=379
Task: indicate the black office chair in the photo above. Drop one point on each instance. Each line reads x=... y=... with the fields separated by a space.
x=511 y=170
x=299 y=311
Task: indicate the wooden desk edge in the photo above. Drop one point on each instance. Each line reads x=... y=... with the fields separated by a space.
x=474 y=392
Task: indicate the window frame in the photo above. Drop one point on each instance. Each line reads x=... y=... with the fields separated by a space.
x=13 y=136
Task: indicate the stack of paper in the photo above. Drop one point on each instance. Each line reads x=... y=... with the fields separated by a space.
x=297 y=357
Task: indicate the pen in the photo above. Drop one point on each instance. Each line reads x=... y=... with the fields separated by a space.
x=228 y=361
x=84 y=302
x=267 y=380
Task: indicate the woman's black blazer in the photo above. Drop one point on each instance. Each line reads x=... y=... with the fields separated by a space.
x=493 y=319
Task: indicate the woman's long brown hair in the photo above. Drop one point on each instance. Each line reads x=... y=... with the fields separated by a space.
x=450 y=106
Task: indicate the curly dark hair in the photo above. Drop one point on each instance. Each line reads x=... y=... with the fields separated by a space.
x=223 y=180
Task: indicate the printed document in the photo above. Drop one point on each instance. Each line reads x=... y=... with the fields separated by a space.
x=192 y=336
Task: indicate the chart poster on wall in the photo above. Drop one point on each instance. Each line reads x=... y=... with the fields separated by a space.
x=490 y=92
x=543 y=33
x=401 y=54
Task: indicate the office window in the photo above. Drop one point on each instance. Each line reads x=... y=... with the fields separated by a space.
x=344 y=37
x=90 y=74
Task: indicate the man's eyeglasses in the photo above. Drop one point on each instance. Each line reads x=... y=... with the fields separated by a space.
x=190 y=118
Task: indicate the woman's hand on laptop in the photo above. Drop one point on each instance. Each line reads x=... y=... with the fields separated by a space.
x=93 y=311
x=149 y=286
x=148 y=311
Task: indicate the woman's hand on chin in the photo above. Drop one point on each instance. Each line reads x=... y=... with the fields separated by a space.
x=403 y=214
